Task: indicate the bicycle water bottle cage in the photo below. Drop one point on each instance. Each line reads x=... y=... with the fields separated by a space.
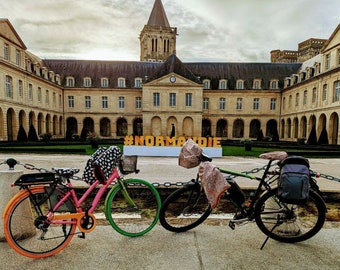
x=35 y=179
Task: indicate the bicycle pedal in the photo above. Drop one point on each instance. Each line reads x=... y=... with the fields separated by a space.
x=231 y=225
x=238 y=221
x=82 y=236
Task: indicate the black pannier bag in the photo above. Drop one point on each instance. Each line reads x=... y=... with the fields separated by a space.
x=293 y=184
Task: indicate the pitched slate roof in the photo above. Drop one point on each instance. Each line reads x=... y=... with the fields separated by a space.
x=149 y=71
x=97 y=69
x=244 y=71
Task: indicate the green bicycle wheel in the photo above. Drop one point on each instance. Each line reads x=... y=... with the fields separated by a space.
x=132 y=208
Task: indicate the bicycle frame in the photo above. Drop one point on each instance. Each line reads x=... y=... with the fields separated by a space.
x=77 y=217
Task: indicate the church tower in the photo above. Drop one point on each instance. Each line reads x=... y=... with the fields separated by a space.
x=157 y=39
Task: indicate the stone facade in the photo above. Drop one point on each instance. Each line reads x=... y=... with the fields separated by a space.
x=117 y=98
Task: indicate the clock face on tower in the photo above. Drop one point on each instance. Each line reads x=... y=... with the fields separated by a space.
x=172 y=79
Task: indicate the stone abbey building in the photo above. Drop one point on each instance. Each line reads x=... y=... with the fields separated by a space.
x=160 y=94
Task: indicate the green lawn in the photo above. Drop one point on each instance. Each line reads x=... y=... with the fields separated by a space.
x=86 y=149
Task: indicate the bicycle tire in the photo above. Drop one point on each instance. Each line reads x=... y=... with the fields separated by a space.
x=174 y=215
x=287 y=222
x=131 y=220
x=22 y=225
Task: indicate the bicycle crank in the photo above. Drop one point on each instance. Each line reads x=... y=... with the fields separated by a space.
x=86 y=222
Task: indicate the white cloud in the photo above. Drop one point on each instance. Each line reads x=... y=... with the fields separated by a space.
x=214 y=30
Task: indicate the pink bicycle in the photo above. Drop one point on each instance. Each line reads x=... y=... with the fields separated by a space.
x=41 y=219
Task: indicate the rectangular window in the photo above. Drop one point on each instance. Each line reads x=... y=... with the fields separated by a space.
x=328 y=61
x=239 y=104
x=54 y=97
x=17 y=57
x=6 y=51
x=121 y=83
x=121 y=102
x=256 y=104
x=138 y=83
x=105 y=103
x=239 y=84
x=9 y=92
x=70 y=82
x=39 y=94
x=314 y=95
x=324 y=92
x=206 y=84
x=273 y=104
x=138 y=102
x=70 y=101
x=205 y=103
x=156 y=99
x=188 y=99
x=338 y=56
x=172 y=99
x=305 y=97
x=47 y=97
x=105 y=83
x=222 y=103
x=30 y=92
x=87 y=82
x=336 y=91
x=223 y=84
x=87 y=102
x=20 y=88
x=297 y=99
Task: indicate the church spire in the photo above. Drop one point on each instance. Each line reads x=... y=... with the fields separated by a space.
x=158 y=15
x=158 y=38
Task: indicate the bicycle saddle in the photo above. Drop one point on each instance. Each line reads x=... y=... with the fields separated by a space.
x=276 y=155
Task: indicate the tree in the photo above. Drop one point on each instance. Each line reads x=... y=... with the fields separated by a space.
x=323 y=139
x=260 y=136
x=32 y=134
x=22 y=136
x=312 y=140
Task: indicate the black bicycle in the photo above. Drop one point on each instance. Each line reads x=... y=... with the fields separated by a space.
x=188 y=206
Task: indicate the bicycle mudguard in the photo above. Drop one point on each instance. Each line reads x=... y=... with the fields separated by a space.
x=17 y=196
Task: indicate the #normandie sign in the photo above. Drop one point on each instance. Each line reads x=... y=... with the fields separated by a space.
x=168 y=146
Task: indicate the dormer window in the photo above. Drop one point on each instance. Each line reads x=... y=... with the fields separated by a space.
x=69 y=81
x=206 y=84
x=121 y=82
x=240 y=84
x=51 y=75
x=257 y=84
x=223 y=84
x=138 y=82
x=104 y=82
x=87 y=82
x=274 y=84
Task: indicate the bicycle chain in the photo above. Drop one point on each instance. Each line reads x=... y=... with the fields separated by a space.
x=169 y=184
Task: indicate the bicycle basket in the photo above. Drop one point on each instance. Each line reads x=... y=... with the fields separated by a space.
x=35 y=179
x=128 y=164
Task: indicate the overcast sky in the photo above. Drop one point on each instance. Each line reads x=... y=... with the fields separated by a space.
x=209 y=30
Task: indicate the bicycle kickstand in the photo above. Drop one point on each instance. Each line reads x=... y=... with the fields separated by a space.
x=265 y=241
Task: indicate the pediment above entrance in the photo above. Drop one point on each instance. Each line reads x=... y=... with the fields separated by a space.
x=172 y=79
